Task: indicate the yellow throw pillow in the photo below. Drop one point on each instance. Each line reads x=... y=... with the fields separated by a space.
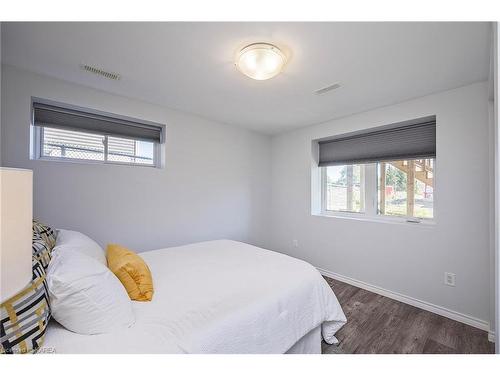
x=132 y=271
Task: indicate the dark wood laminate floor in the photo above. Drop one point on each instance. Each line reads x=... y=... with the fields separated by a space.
x=377 y=324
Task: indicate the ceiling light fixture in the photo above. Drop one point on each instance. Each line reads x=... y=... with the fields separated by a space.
x=260 y=61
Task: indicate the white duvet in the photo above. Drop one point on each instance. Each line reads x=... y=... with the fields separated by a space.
x=219 y=297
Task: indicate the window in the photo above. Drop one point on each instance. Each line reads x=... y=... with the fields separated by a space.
x=385 y=172
x=58 y=143
x=344 y=188
x=65 y=133
x=406 y=188
x=77 y=145
x=400 y=188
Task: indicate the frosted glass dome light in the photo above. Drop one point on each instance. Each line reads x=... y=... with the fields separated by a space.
x=260 y=61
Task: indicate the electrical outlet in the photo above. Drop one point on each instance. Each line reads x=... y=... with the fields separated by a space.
x=295 y=243
x=449 y=279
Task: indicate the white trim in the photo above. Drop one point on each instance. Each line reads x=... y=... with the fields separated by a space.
x=37 y=147
x=443 y=311
x=491 y=336
x=360 y=216
x=370 y=209
x=371 y=191
x=496 y=164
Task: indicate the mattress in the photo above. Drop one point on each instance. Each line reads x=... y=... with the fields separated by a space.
x=218 y=297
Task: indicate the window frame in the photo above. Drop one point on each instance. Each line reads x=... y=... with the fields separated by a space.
x=38 y=139
x=324 y=181
x=371 y=201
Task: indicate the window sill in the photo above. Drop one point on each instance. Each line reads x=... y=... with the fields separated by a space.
x=376 y=219
x=90 y=161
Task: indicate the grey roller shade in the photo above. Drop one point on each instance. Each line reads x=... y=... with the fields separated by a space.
x=71 y=118
x=414 y=139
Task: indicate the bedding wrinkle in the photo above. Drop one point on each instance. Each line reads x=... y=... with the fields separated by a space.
x=229 y=297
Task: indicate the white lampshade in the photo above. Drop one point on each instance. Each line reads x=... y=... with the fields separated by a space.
x=16 y=191
x=260 y=61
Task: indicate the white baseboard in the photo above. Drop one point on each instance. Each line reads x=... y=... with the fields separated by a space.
x=491 y=336
x=443 y=311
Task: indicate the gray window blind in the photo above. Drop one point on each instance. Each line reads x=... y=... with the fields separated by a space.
x=415 y=139
x=71 y=118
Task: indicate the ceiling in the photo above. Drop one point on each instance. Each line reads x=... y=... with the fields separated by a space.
x=190 y=66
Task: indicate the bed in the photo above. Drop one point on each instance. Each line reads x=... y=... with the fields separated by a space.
x=220 y=297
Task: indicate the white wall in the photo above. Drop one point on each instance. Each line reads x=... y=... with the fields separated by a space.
x=496 y=111
x=404 y=258
x=215 y=183
x=493 y=208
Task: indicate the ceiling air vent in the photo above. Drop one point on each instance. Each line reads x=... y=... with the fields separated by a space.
x=100 y=72
x=327 y=88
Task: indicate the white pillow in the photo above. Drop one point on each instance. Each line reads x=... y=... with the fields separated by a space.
x=86 y=297
x=69 y=240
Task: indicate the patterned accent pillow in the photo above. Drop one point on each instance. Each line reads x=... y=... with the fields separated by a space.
x=24 y=317
x=47 y=233
x=41 y=251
